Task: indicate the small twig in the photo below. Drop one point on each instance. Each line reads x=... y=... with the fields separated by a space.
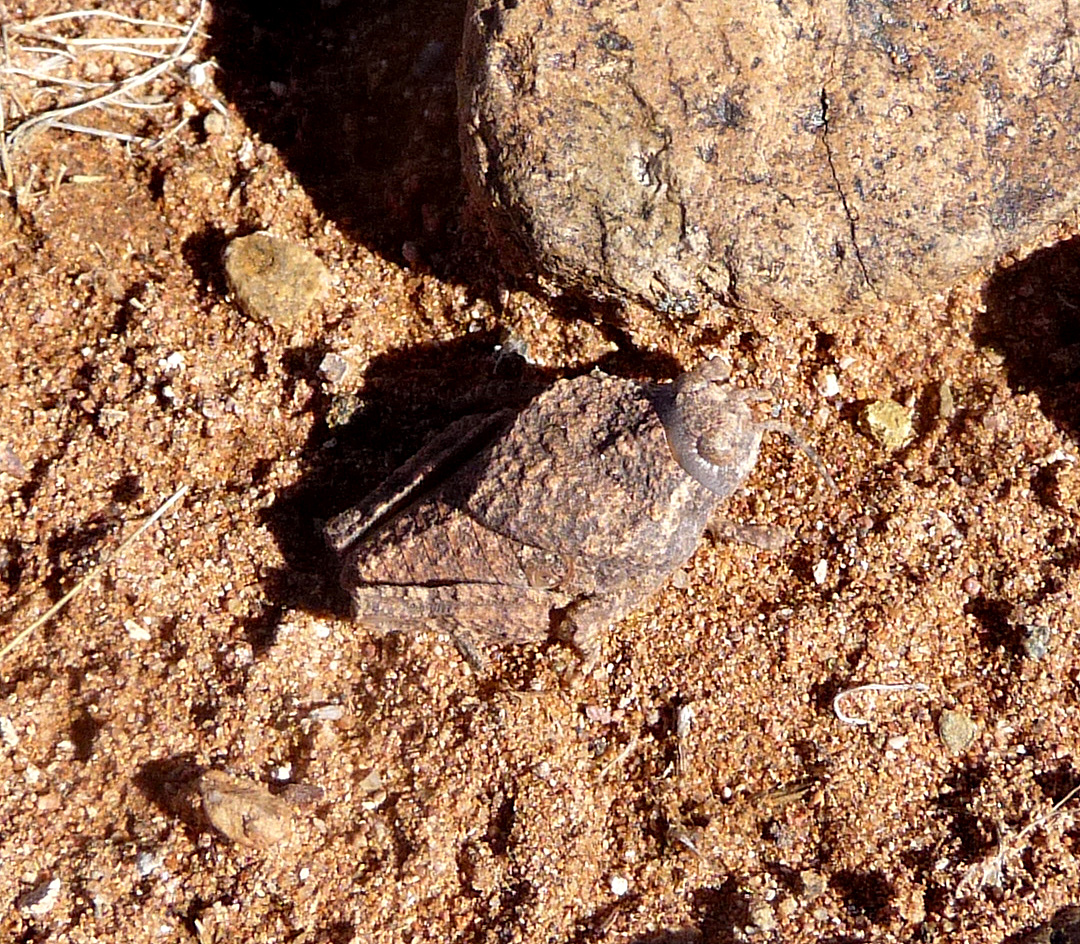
x=82 y=14
x=78 y=588
x=873 y=687
x=151 y=145
x=101 y=132
x=106 y=42
x=56 y=56
x=4 y=44
x=143 y=105
x=55 y=80
x=1048 y=815
x=5 y=164
x=622 y=755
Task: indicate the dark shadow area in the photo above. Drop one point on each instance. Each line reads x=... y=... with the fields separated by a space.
x=823 y=693
x=202 y=252
x=673 y=936
x=972 y=839
x=1058 y=783
x=76 y=549
x=82 y=733
x=1063 y=928
x=865 y=894
x=171 y=784
x=12 y=565
x=722 y=912
x=1032 y=318
x=996 y=627
x=359 y=97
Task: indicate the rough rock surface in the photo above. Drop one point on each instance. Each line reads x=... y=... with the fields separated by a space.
x=804 y=154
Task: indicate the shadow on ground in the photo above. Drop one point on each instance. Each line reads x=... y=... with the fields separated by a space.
x=359 y=97
x=1032 y=319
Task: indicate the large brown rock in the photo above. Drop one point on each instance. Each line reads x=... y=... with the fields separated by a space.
x=806 y=154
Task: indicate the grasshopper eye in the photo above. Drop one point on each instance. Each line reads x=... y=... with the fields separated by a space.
x=710 y=428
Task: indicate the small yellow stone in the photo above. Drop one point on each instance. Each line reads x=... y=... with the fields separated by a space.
x=889 y=423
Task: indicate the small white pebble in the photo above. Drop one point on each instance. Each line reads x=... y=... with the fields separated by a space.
x=828 y=385
x=282 y=772
x=372 y=782
x=684 y=718
x=762 y=916
x=174 y=361
x=619 y=886
x=146 y=863
x=334 y=368
x=374 y=800
x=214 y=123
x=821 y=571
x=8 y=734
x=598 y=713
x=40 y=900
x=198 y=74
x=136 y=632
x=327 y=713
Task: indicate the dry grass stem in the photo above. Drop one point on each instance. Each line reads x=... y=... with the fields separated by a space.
x=45 y=77
x=631 y=746
x=80 y=586
x=101 y=132
x=65 y=50
x=102 y=14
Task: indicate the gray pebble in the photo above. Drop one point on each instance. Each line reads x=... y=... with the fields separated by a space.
x=41 y=898
x=146 y=863
x=956 y=730
x=214 y=123
x=334 y=367
x=1036 y=641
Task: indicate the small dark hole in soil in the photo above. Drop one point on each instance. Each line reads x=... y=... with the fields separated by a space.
x=127 y=490
x=865 y=893
x=83 y=732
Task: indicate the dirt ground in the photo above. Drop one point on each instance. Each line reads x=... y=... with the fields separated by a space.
x=700 y=784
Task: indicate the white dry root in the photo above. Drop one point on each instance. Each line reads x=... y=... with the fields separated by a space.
x=48 y=64
x=989 y=872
